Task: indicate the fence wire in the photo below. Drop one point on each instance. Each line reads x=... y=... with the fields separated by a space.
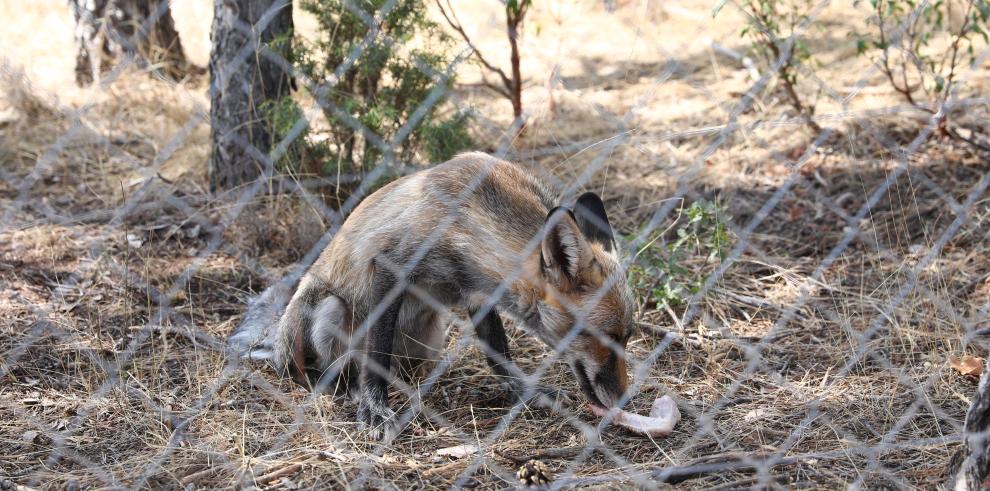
x=804 y=430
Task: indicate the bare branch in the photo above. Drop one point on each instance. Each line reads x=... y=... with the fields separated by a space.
x=455 y=24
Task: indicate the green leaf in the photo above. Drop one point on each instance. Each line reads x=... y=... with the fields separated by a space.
x=718 y=7
x=861 y=46
x=979 y=30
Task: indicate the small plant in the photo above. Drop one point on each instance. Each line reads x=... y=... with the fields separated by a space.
x=367 y=101
x=771 y=28
x=661 y=271
x=920 y=46
x=509 y=87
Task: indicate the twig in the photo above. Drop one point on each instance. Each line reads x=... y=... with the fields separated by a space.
x=511 y=87
x=906 y=90
x=196 y=476
x=281 y=472
x=193 y=335
x=546 y=453
x=729 y=461
x=443 y=468
x=455 y=24
x=954 y=133
x=785 y=68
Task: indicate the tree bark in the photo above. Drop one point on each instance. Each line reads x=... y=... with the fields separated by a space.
x=108 y=30
x=242 y=78
x=970 y=467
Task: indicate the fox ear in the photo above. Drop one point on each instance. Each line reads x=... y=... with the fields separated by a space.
x=593 y=221
x=564 y=249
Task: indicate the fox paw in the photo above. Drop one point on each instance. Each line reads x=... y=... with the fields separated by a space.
x=377 y=420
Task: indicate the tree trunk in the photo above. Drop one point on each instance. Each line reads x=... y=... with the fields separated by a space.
x=242 y=78
x=970 y=467
x=108 y=30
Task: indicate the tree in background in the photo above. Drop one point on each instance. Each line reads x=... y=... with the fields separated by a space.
x=249 y=65
x=773 y=28
x=372 y=69
x=922 y=47
x=108 y=30
x=511 y=87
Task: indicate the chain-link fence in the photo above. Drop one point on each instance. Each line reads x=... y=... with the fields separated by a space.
x=812 y=304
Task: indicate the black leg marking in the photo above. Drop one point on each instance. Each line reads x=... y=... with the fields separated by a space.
x=491 y=332
x=373 y=411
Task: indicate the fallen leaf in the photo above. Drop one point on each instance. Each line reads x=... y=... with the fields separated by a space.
x=458 y=452
x=967 y=365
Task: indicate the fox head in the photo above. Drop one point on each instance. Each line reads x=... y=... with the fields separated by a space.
x=586 y=298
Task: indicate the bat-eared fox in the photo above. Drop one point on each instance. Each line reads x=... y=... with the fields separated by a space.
x=475 y=233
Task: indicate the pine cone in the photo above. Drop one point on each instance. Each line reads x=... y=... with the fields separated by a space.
x=534 y=473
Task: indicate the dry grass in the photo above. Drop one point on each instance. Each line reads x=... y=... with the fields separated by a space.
x=121 y=277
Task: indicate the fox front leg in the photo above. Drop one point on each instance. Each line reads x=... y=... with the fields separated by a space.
x=374 y=415
x=491 y=333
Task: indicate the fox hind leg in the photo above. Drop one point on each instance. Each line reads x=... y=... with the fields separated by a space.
x=334 y=370
x=311 y=334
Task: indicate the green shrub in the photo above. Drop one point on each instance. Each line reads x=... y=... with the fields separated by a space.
x=772 y=28
x=382 y=88
x=443 y=139
x=919 y=50
x=661 y=272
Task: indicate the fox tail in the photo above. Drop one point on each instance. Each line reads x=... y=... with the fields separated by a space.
x=254 y=338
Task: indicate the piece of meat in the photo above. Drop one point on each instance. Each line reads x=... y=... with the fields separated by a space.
x=663 y=416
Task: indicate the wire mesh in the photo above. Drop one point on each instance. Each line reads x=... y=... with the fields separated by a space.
x=813 y=358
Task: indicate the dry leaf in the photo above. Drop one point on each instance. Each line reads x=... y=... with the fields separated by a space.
x=458 y=452
x=967 y=365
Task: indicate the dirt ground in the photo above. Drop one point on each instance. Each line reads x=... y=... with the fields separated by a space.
x=823 y=342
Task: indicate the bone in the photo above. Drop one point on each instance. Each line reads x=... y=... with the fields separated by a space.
x=663 y=416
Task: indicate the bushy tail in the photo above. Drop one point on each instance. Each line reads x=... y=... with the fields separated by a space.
x=254 y=337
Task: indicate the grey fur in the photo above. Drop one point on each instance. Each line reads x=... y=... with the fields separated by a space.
x=254 y=337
